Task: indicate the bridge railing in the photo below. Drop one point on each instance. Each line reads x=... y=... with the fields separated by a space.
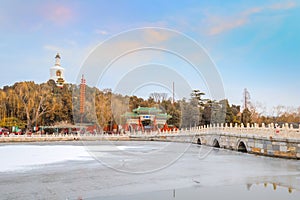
x=270 y=130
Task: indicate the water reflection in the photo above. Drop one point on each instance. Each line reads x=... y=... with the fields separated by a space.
x=274 y=186
x=252 y=191
x=288 y=183
x=249 y=186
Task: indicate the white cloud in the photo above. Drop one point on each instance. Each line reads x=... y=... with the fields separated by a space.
x=50 y=47
x=71 y=42
x=220 y=24
x=57 y=13
x=283 y=6
x=226 y=25
x=101 y=32
x=156 y=36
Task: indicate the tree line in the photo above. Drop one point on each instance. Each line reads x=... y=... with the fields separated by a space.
x=27 y=104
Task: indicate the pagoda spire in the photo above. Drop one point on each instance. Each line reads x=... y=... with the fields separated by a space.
x=57 y=60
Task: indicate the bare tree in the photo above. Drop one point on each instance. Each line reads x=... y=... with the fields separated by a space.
x=33 y=98
x=257 y=110
x=278 y=110
x=158 y=97
x=155 y=96
x=163 y=96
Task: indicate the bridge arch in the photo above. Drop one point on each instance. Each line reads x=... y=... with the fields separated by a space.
x=199 y=141
x=216 y=143
x=242 y=147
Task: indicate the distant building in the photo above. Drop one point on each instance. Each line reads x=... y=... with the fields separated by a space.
x=145 y=118
x=57 y=72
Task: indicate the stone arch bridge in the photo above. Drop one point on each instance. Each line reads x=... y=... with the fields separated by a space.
x=264 y=140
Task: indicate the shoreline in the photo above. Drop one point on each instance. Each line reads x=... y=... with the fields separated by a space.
x=281 y=153
x=48 y=138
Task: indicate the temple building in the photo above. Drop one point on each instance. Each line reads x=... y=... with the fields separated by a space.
x=57 y=72
x=146 y=119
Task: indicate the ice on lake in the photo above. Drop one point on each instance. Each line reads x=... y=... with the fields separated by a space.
x=26 y=157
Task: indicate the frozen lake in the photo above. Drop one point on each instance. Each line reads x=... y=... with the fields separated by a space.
x=142 y=170
x=28 y=157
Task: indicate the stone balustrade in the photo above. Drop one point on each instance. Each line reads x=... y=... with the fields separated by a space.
x=268 y=140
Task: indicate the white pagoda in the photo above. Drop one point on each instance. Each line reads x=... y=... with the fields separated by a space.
x=57 y=72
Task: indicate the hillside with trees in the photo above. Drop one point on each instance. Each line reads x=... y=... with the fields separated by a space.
x=27 y=104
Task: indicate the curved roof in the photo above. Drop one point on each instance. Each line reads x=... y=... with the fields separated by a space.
x=147 y=110
x=130 y=114
x=164 y=116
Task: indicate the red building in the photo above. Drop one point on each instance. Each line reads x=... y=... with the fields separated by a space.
x=146 y=119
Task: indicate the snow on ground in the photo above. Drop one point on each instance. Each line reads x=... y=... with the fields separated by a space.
x=27 y=157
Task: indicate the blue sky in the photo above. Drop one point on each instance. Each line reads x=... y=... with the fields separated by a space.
x=254 y=44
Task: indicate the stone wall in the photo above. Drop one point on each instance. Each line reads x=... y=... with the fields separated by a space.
x=267 y=146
